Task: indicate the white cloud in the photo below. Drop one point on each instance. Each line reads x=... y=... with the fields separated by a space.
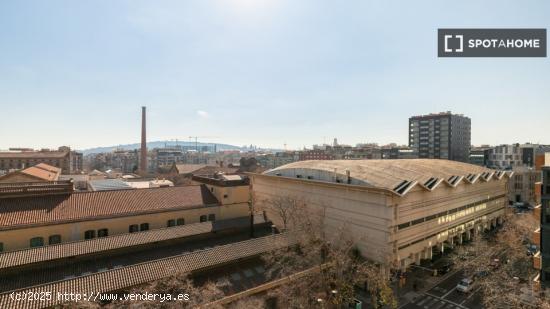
x=203 y=114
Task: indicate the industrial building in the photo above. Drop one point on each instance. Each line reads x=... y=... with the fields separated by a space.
x=47 y=213
x=398 y=211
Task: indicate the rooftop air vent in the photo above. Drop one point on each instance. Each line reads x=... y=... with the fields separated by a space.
x=453 y=180
x=402 y=187
x=430 y=184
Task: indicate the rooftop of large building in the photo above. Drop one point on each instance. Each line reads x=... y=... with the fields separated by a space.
x=203 y=169
x=447 y=113
x=16 y=212
x=398 y=176
x=33 y=154
x=124 y=276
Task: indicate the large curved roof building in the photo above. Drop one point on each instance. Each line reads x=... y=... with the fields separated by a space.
x=399 y=176
x=399 y=211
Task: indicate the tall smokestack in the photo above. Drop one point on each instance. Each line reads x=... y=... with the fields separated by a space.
x=143 y=162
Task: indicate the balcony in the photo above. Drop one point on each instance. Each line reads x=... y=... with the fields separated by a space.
x=537 y=261
x=536 y=237
x=536 y=212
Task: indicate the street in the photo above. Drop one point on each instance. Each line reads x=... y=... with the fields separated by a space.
x=445 y=296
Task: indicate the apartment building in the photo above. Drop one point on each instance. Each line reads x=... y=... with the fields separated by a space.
x=541 y=236
x=441 y=136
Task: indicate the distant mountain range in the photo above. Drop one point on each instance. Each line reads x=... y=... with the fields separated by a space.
x=161 y=144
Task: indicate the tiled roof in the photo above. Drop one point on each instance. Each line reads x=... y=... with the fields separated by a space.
x=43 y=171
x=39 y=210
x=48 y=168
x=53 y=252
x=125 y=277
x=188 y=168
x=203 y=169
x=398 y=176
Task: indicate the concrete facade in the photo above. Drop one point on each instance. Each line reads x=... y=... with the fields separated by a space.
x=390 y=228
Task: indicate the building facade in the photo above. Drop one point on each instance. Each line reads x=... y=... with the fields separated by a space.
x=505 y=156
x=542 y=235
x=63 y=158
x=441 y=136
x=398 y=211
x=522 y=185
x=74 y=216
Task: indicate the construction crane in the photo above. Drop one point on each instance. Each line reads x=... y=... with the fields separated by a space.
x=196 y=140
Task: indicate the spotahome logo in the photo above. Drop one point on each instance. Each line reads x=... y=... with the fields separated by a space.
x=491 y=42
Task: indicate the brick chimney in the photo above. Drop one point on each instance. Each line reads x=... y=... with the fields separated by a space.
x=143 y=156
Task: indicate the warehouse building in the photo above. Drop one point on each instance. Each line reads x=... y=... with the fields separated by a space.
x=49 y=213
x=398 y=211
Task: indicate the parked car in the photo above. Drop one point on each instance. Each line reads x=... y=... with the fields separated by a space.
x=465 y=285
x=443 y=266
x=481 y=274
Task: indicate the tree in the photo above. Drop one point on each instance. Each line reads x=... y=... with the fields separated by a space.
x=502 y=268
x=332 y=251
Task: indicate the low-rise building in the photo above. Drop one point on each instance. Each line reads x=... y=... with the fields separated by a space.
x=505 y=156
x=522 y=185
x=41 y=214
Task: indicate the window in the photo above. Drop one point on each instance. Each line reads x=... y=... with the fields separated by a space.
x=133 y=228
x=144 y=226
x=37 y=242
x=1 y=247
x=404 y=225
x=171 y=223
x=180 y=221
x=203 y=218
x=102 y=233
x=54 y=239
x=89 y=234
x=211 y=217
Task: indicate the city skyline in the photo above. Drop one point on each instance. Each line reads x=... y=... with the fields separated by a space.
x=264 y=73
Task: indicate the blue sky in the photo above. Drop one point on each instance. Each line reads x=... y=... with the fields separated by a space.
x=259 y=72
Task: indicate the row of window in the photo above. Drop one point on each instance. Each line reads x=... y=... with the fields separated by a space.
x=56 y=239
x=133 y=228
x=444 y=213
x=39 y=241
x=91 y=234
x=435 y=234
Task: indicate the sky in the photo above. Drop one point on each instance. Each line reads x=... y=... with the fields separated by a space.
x=264 y=72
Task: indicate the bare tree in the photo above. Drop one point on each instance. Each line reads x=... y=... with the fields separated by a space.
x=333 y=251
x=502 y=267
